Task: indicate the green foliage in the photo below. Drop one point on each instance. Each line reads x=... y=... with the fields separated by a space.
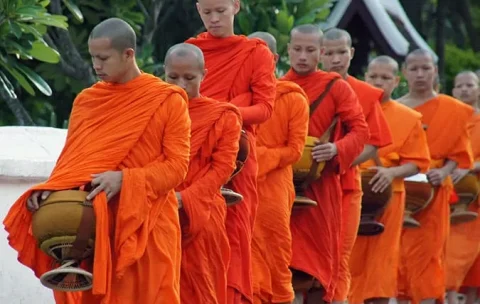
x=22 y=26
x=458 y=60
x=279 y=17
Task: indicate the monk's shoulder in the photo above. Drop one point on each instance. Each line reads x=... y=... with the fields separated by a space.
x=285 y=87
x=402 y=110
x=365 y=91
x=453 y=105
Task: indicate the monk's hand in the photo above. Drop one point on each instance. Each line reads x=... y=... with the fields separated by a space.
x=109 y=182
x=179 y=199
x=382 y=179
x=35 y=198
x=458 y=174
x=436 y=176
x=324 y=152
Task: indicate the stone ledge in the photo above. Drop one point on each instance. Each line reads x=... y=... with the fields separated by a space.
x=29 y=153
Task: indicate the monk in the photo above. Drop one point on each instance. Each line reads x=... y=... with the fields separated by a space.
x=374 y=260
x=337 y=53
x=128 y=138
x=280 y=142
x=422 y=267
x=464 y=239
x=316 y=230
x=240 y=71
x=216 y=128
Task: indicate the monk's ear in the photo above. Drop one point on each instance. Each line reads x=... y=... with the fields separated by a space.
x=276 y=57
x=397 y=81
x=236 y=5
x=198 y=8
x=130 y=53
x=352 y=53
x=205 y=71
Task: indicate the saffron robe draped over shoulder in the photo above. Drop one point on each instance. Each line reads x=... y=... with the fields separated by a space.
x=422 y=250
x=216 y=130
x=240 y=71
x=280 y=142
x=463 y=246
x=369 y=98
x=375 y=259
x=316 y=231
x=142 y=128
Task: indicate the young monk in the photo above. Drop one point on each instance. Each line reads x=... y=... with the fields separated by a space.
x=240 y=71
x=129 y=138
x=422 y=272
x=316 y=230
x=464 y=239
x=337 y=53
x=216 y=128
x=374 y=260
x=280 y=142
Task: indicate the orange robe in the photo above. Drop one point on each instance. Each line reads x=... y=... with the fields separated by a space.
x=280 y=142
x=422 y=250
x=216 y=130
x=141 y=128
x=472 y=279
x=374 y=260
x=316 y=230
x=380 y=136
x=464 y=239
x=240 y=71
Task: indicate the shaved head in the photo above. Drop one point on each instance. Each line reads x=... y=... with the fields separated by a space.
x=387 y=60
x=185 y=50
x=419 y=52
x=120 y=33
x=268 y=38
x=337 y=34
x=468 y=74
x=307 y=29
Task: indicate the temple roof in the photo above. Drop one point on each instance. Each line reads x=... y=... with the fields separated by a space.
x=386 y=20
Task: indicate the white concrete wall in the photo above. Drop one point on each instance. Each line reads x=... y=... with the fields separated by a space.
x=27 y=156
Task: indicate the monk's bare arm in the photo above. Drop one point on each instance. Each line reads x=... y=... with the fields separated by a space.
x=222 y=159
x=263 y=87
x=476 y=168
x=368 y=152
x=351 y=116
x=170 y=169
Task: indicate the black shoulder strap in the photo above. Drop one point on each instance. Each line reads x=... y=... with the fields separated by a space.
x=322 y=96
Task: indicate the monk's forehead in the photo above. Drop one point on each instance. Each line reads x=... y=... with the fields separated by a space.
x=467 y=77
x=215 y=3
x=423 y=58
x=383 y=66
x=340 y=41
x=305 y=37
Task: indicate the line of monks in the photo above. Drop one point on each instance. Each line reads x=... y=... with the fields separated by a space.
x=158 y=153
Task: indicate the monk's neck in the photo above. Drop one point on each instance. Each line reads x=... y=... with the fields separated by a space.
x=386 y=99
x=131 y=75
x=417 y=98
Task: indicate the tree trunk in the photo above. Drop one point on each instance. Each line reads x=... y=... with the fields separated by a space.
x=414 y=10
x=464 y=10
x=22 y=116
x=440 y=40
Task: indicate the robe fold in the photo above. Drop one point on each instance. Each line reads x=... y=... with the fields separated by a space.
x=280 y=142
x=216 y=130
x=374 y=260
x=464 y=239
x=141 y=128
x=240 y=71
x=316 y=231
x=422 y=250
x=369 y=98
